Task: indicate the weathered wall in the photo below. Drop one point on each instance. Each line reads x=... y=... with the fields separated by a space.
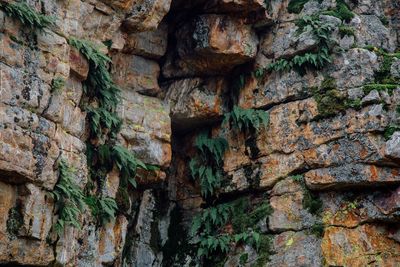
x=182 y=66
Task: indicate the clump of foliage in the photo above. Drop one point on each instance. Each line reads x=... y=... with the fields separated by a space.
x=69 y=199
x=331 y=101
x=247 y=119
x=384 y=20
x=390 y=130
x=14 y=221
x=311 y=202
x=57 y=84
x=296 y=6
x=384 y=81
x=206 y=167
x=322 y=33
x=104 y=123
x=341 y=11
x=27 y=15
x=100 y=119
x=346 y=30
x=100 y=88
x=222 y=227
x=317 y=229
x=102 y=208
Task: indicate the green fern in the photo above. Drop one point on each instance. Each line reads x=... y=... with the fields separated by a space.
x=247 y=119
x=57 y=84
x=209 y=226
x=100 y=119
x=27 y=15
x=99 y=79
x=102 y=208
x=206 y=167
x=127 y=163
x=322 y=34
x=214 y=147
x=341 y=11
x=69 y=199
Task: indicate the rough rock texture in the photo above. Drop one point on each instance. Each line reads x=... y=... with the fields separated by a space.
x=327 y=164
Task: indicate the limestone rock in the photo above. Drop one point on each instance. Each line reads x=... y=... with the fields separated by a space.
x=27 y=157
x=79 y=64
x=393 y=146
x=64 y=108
x=151 y=44
x=136 y=73
x=147 y=128
x=353 y=148
x=146 y=15
x=193 y=101
x=356 y=175
x=112 y=240
x=211 y=44
x=289 y=214
x=276 y=166
x=37 y=209
x=296 y=249
x=371 y=31
x=354 y=68
x=359 y=246
x=351 y=209
x=23 y=88
x=372 y=98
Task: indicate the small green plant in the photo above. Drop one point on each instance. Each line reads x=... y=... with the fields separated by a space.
x=99 y=79
x=317 y=229
x=102 y=208
x=310 y=201
x=384 y=20
x=341 y=11
x=69 y=199
x=390 y=130
x=380 y=87
x=100 y=119
x=57 y=84
x=211 y=226
x=322 y=33
x=14 y=221
x=27 y=15
x=127 y=163
x=353 y=103
x=346 y=31
x=207 y=165
x=247 y=119
x=104 y=125
x=296 y=6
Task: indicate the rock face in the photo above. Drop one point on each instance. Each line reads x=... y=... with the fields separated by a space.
x=316 y=183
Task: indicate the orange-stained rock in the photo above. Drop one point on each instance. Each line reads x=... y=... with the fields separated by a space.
x=11 y=52
x=210 y=45
x=150 y=177
x=292 y=249
x=112 y=240
x=135 y=73
x=79 y=64
x=277 y=166
x=289 y=213
x=195 y=101
x=360 y=246
x=151 y=44
x=122 y=4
